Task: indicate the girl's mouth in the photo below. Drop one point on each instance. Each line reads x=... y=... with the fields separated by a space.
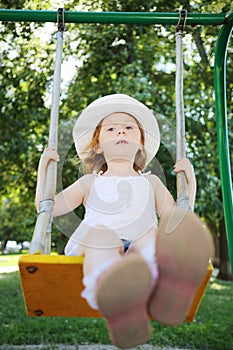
x=119 y=142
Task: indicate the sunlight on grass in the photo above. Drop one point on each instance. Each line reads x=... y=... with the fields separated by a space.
x=4 y=276
x=9 y=260
x=218 y=286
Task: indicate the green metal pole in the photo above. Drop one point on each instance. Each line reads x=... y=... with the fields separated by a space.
x=111 y=17
x=222 y=130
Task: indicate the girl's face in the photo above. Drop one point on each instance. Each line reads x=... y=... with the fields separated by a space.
x=119 y=138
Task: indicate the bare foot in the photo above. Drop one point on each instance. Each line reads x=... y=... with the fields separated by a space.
x=122 y=295
x=184 y=247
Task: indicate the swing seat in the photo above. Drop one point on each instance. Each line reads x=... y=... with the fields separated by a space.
x=199 y=294
x=52 y=285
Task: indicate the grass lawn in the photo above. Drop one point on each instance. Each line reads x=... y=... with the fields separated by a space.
x=9 y=260
x=212 y=328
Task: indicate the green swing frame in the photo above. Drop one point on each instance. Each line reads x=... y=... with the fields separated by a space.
x=35 y=269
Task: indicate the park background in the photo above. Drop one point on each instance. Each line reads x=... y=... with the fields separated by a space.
x=103 y=59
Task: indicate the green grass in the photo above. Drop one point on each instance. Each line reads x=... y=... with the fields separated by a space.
x=9 y=260
x=212 y=328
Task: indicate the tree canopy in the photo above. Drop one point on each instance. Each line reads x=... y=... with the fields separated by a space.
x=101 y=59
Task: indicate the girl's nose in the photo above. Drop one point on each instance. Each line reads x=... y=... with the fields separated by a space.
x=121 y=132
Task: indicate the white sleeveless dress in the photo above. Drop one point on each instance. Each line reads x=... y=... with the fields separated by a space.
x=123 y=204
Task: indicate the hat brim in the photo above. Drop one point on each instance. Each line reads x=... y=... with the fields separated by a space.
x=99 y=109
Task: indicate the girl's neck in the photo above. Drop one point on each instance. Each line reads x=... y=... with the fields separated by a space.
x=120 y=169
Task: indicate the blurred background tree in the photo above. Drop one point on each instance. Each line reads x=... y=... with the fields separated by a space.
x=101 y=59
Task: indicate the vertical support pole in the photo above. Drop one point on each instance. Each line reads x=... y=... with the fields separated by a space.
x=222 y=129
x=41 y=240
x=182 y=187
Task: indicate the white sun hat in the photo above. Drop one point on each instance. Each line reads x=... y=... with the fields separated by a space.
x=95 y=112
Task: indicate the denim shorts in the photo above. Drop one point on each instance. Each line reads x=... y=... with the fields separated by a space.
x=126 y=244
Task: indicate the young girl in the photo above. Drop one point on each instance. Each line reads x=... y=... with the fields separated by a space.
x=133 y=266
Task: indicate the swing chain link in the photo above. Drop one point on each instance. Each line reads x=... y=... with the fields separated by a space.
x=61 y=20
x=181 y=21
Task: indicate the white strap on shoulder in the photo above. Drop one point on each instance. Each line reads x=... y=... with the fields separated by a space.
x=144 y=174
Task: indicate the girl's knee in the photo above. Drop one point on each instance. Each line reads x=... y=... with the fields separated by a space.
x=145 y=239
x=101 y=244
x=102 y=237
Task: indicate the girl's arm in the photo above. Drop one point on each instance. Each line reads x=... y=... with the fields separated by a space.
x=184 y=165
x=73 y=196
x=164 y=202
x=48 y=155
x=68 y=199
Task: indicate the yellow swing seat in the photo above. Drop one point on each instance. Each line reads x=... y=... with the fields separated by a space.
x=52 y=286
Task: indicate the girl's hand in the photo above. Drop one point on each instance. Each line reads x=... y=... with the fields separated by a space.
x=49 y=154
x=184 y=165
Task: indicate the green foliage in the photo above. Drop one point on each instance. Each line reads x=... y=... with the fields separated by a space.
x=16 y=216
x=25 y=72
x=134 y=59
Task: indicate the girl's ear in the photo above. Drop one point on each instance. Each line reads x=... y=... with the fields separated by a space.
x=142 y=150
x=141 y=147
x=98 y=149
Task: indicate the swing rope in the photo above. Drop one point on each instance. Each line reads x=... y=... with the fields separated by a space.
x=41 y=239
x=182 y=188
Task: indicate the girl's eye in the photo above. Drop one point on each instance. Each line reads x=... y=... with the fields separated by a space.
x=110 y=129
x=129 y=127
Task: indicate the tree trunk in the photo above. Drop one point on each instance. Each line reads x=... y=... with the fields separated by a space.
x=2 y=245
x=224 y=266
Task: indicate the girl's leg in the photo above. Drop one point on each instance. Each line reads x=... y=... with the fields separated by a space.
x=100 y=245
x=146 y=247
x=122 y=296
x=101 y=248
x=122 y=287
x=184 y=248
